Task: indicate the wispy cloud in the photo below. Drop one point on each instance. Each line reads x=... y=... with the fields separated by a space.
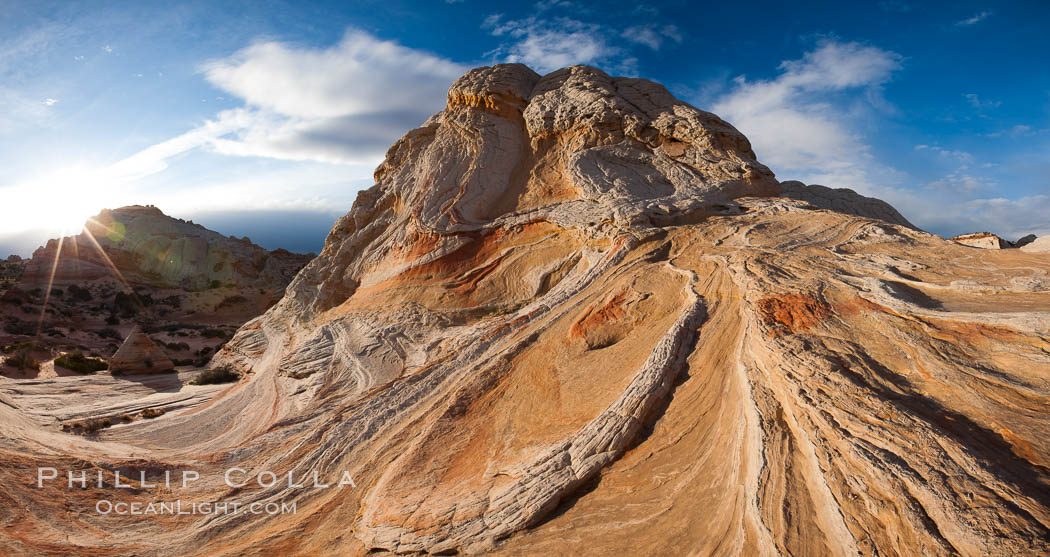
x=652 y=36
x=344 y=104
x=977 y=18
x=961 y=156
x=1016 y=130
x=958 y=182
x=976 y=102
x=793 y=122
x=549 y=44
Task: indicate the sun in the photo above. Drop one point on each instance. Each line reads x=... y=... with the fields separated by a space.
x=60 y=200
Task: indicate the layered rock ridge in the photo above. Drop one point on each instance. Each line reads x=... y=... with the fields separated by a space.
x=575 y=316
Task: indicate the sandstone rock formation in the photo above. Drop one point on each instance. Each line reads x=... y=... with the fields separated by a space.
x=843 y=200
x=139 y=354
x=1039 y=245
x=136 y=266
x=574 y=317
x=152 y=248
x=987 y=240
x=984 y=240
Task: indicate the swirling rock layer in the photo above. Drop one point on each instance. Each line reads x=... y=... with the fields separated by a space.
x=571 y=319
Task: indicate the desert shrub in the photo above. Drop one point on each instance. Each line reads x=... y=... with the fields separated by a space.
x=148 y=362
x=150 y=413
x=183 y=361
x=215 y=284
x=204 y=351
x=112 y=319
x=79 y=294
x=23 y=361
x=57 y=292
x=80 y=363
x=16 y=346
x=178 y=346
x=215 y=376
x=95 y=425
x=109 y=332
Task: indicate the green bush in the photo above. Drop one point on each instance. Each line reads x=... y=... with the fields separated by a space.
x=224 y=374
x=17 y=346
x=80 y=363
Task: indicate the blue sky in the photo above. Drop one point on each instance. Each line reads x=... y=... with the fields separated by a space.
x=218 y=111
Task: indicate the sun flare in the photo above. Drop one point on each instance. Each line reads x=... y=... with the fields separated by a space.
x=60 y=200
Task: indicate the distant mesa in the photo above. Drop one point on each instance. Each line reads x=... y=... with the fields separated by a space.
x=149 y=247
x=186 y=285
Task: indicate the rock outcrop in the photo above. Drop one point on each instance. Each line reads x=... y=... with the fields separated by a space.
x=843 y=200
x=137 y=266
x=984 y=240
x=139 y=354
x=151 y=248
x=987 y=240
x=575 y=316
x=1039 y=245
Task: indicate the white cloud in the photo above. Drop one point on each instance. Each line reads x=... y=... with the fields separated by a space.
x=961 y=156
x=50 y=102
x=1017 y=130
x=652 y=36
x=107 y=49
x=979 y=17
x=793 y=123
x=551 y=4
x=345 y=104
x=976 y=102
x=547 y=45
x=960 y=182
x=355 y=76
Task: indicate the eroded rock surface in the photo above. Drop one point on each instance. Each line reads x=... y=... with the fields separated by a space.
x=573 y=317
x=843 y=200
x=1039 y=245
